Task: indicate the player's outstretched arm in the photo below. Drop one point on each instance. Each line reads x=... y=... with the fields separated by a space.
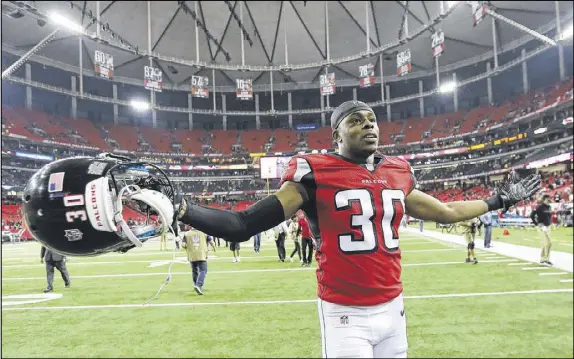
x=423 y=206
x=239 y=226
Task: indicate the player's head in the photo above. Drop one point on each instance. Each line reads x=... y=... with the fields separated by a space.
x=546 y=199
x=80 y=206
x=355 y=129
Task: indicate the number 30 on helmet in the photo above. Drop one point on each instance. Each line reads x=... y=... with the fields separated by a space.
x=87 y=206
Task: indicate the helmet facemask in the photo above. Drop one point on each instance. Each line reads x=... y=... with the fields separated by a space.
x=136 y=202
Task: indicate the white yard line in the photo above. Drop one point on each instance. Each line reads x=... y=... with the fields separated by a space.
x=157 y=305
x=553 y=273
x=566 y=280
x=73 y=263
x=235 y=271
x=536 y=268
x=521 y=264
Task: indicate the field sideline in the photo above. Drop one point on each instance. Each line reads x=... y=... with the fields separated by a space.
x=263 y=308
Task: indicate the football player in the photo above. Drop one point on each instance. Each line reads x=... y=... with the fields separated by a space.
x=469 y=231
x=354 y=201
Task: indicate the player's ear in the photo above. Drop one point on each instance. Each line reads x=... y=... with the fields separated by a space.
x=336 y=136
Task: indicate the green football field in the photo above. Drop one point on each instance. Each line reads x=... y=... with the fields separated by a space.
x=501 y=307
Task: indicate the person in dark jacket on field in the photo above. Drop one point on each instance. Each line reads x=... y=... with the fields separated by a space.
x=53 y=259
x=542 y=218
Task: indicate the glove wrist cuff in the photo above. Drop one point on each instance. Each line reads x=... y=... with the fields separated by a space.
x=182 y=210
x=494 y=203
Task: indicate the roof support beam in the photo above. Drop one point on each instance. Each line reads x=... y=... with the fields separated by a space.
x=231 y=81
x=224 y=32
x=166 y=28
x=101 y=13
x=356 y=22
x=375 y=22
x=307 y=30
x=431 y=29
x=346 y=72
x=83 y=12
x=470 y=43
x=87 y=52
x=257 y=32
x=527 y=11
x=277 y=30
x=127 y=62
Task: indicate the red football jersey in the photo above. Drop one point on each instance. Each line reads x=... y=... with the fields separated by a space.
x=305 y=230
x=354 y=212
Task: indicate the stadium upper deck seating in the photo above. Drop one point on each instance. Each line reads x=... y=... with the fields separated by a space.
x=18 y=121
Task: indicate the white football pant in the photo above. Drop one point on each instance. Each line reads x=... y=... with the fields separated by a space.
x=378 y=331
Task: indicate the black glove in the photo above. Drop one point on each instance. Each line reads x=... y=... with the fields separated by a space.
x=513 y=192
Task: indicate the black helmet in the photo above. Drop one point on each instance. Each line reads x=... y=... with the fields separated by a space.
x=81 y=206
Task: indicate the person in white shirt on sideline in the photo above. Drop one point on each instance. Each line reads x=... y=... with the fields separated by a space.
x=281 y=231
x=486 y=220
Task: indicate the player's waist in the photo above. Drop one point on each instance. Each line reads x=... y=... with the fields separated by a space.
x=367 y=297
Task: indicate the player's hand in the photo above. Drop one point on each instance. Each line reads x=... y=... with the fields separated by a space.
x=42 y=261
x=512 y=193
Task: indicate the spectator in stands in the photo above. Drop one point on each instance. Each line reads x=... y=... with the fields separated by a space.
x=52 y=260
x=196 y=244
x=542 y=218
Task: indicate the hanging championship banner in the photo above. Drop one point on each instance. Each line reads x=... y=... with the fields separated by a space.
x=367 y=75
x=199 y=86
x=244 y=89
x=437 y=44
x=478 y=11
x=327 y=84
x=153 y=78
x=404 y=62
x=104 y=65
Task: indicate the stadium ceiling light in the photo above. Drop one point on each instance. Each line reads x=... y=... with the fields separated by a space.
x=566 y=33
x=448 y=87
x=140 y=105
x=66 y=23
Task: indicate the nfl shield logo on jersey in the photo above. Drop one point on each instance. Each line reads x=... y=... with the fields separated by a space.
x=73 y=234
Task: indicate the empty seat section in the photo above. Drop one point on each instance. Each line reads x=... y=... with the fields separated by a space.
x=191 y=141
x=415 y=127
x=445 y=124
x=473 y=118
x=320 y=139
x=254 y=140
x=285 y=140
x=497 y=115
x=125 y=136
x=17 y=124
x=387 y=129
x=88 y=131
x=158 y=138
x=221 y=141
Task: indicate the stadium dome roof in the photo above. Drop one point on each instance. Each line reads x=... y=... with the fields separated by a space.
x=277 y=32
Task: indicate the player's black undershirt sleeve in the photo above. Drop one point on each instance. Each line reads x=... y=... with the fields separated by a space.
x=235 y=226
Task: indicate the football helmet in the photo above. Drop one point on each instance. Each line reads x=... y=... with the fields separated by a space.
x=87 y=206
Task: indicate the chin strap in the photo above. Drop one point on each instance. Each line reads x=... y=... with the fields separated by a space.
x=167 y=280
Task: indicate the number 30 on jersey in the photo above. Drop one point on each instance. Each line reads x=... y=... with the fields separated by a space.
x=391 y=198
